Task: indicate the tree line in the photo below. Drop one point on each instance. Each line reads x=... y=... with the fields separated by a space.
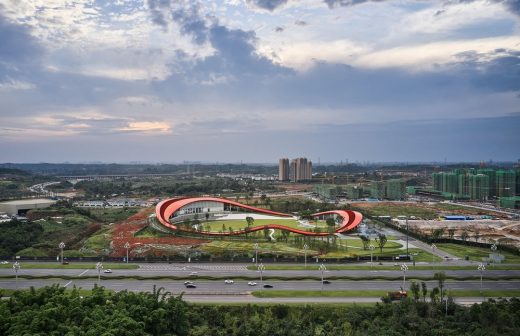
x=57 y=311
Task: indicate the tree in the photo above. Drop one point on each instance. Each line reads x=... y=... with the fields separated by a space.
x=381 y=240
x=331 y=224
x=250 y=221
x=433 y=295
x=476 y=235
x=415 y=288
x=441 y=278
x=451 y=233
x=365 y=240
x=464 y=235
x=437 y=233
x=424 y=290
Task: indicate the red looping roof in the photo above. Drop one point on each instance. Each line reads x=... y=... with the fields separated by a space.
x=165 y=209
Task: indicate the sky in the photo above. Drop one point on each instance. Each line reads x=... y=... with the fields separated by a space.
x=256 y=80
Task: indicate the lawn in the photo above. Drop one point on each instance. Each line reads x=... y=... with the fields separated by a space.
x=111 y=215
x=100 y=241
x=389 y=250
x=476 y=253
x=395 y=209
x=72 y=265
x=236 y=225
x=219 y=247
x=354 y=249
x=375 y=267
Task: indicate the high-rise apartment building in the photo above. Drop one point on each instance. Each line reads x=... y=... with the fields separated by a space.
x=506 y=183
x=300 y=169
x=479 y=187
x=283 y=169
x=491 y=174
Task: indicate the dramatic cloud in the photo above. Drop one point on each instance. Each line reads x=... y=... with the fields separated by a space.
x=209 y=76
x=269 y=5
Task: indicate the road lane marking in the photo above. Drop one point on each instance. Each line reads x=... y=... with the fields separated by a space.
x=85 y=271
x=68 y=283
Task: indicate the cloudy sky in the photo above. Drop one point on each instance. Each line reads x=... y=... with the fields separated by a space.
x=255 y=80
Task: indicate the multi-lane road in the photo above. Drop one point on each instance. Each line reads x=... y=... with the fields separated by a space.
x=217 y=291
x=241 y=287
x=240 y=270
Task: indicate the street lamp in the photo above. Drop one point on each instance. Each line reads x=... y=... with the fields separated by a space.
x=261 y=268
x=305 y=247
x=16 y=267
x=99 y=267
x=434 y=247
x=404 y=268
x=256 y=253
x=61 y=246
x=407 y=237
x=322 y=269
x=371 y=247
x=127 y=246
x=481 y=267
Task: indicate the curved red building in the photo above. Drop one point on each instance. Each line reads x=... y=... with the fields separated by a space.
x=172 y=212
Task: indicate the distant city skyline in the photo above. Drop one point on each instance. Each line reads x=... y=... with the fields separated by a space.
x=256 y=80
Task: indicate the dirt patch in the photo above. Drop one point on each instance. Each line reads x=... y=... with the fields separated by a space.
x=124 y=232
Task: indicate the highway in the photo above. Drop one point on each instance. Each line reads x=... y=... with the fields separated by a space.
x=241 y=287
x=237 y=270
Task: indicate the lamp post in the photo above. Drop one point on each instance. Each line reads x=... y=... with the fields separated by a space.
x=261 y=268
x=446 y=295
x=127 y=246
x=322 y=269
x=434 y=247
x=256 y=253
x=404 y=268
x=99 y=267
x=407 y=236
x=61 y=246
x=16 y=267
x=305 y=247
x=371 y=247
x=481 y=267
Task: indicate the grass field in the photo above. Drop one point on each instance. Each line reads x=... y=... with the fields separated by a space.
x=374 y=293
x=111 y=215
x=376 y=267
x=476 y=253
x=396 y=209
x=99 y=241
x=236 y=225
x=71 y=265
x=354 y=249
x=220 y=247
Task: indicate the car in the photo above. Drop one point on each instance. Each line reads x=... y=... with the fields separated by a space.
x=191 y=286
x=228 y=281
x=108 y=270
x=188 y=283
x=4 y=262
x=65 y=263
x=193 y=273
x=326 y=282
x=400 y=295
x=251 y=283
x=268 y=286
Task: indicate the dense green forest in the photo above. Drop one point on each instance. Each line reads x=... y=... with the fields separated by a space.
x=55 y=311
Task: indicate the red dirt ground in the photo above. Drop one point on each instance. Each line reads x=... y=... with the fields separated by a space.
x=124 y=232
